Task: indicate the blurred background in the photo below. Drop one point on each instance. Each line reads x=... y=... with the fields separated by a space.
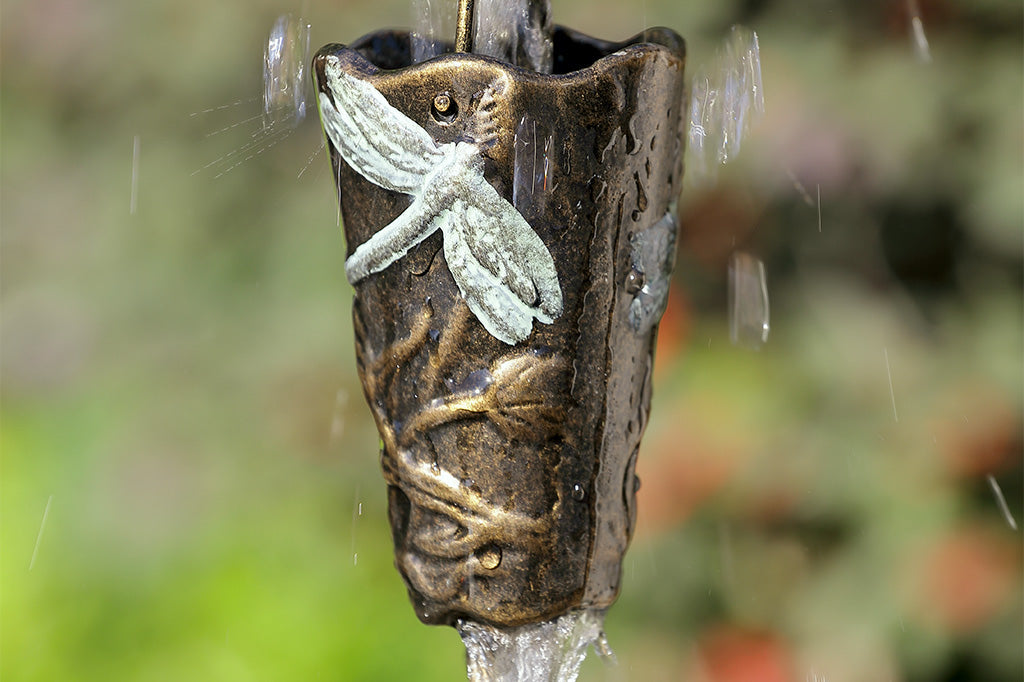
x=190 y=484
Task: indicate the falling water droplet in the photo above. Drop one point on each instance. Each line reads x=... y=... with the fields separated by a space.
x=39 y=535
x=892 y=393
x=284 y=72
x=920 y=40
x=748 y=301
x=604 y=650
x=133 y=201
x=1001 y=501
x=357 y=511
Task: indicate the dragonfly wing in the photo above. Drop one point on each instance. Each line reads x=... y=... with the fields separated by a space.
x=500 y=311
x=505 y=273
x=506 y=244
x=380 y=142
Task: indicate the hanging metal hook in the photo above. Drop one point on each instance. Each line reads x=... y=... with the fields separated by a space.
x=464 y=27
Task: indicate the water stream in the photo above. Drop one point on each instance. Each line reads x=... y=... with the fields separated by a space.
x=551 y=651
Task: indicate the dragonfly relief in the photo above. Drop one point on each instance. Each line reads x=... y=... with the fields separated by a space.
x=503 y=270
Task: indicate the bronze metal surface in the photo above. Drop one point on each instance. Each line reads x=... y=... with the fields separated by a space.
x=510 y=467
x=464 y=27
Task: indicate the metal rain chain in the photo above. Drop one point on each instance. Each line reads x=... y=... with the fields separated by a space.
x=510 y=226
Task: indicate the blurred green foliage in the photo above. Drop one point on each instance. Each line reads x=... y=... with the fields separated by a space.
x=189 y=480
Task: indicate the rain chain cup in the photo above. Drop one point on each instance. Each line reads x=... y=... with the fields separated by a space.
x=511 y=235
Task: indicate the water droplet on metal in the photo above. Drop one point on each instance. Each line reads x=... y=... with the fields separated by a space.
x=578 y=492
x=652 y=257
x=748 y=301
x=475 y=383
x=532 y=168
x=634 y=281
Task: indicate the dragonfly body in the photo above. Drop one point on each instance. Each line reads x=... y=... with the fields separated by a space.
x=503 y=270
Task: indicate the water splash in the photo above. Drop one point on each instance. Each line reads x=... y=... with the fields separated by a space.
x=223 y=107
x=551 y=651
x=310 y=160
x=433 y=24
x=260 y=142
x=726 y=101
x=237 y=124
x=284 y=72
x=749 y=314
x=285 y=90
x=515 y=31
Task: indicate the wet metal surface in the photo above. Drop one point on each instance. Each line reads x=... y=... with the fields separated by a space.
x=510 y=465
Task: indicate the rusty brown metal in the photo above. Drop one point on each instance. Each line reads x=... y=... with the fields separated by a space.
x=510 y=463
